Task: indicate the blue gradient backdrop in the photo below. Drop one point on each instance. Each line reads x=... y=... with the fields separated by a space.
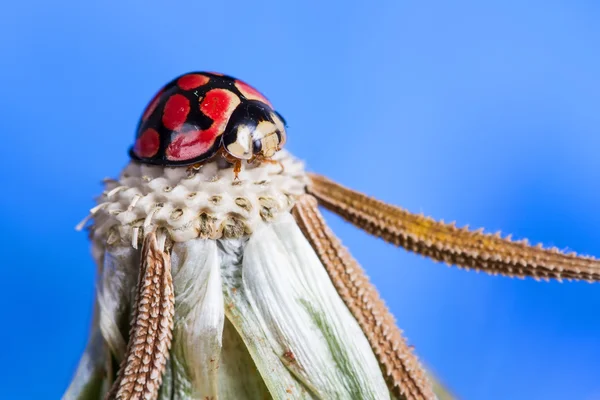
x=487 y=114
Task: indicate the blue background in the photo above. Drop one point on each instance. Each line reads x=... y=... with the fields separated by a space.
x=486 y=113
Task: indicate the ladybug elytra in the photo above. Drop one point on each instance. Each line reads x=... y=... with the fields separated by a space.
x=200 y=114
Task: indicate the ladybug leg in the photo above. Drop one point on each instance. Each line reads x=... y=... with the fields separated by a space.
x=237 y=164
x=193 y=169
x=237 y=168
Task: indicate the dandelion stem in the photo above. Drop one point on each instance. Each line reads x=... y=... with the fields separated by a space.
x=141 y=371
x=445 y=242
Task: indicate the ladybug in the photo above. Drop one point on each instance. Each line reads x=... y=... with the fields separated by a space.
x=202 y=114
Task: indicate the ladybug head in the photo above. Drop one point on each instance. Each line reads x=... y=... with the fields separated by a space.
x=255 y=130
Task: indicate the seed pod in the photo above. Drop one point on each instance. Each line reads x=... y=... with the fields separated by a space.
x=255 y=313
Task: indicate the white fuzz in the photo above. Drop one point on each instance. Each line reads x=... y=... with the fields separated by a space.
x=207 y=204
x=200 y=314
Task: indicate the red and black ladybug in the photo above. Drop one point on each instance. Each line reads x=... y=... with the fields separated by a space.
x=200 y=114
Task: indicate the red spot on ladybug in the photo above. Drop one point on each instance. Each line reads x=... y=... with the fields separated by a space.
x=218 y=105
x=250 y=93
x=147 y=144
x=152 y=106
x=192 y=81
x=176 y=111
x=189 y=145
